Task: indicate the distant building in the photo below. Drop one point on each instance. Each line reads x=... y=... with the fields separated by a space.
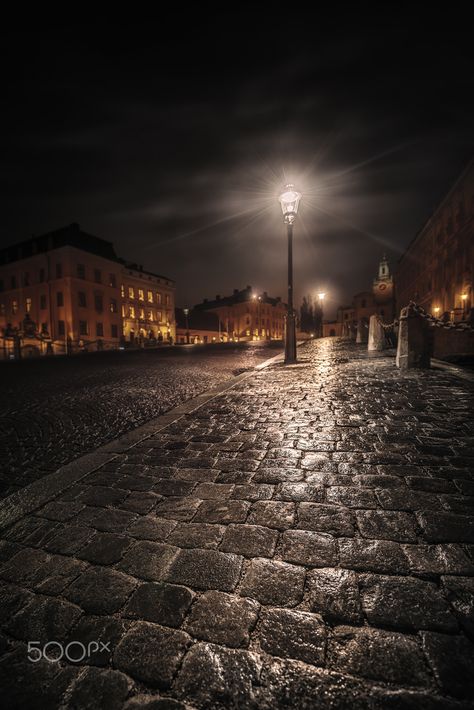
x=247 y=315
x=198 y=328
x=379 y=301
x=64 y=290
x=437 y=269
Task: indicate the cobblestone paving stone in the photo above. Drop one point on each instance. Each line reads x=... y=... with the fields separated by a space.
x=54 y=410
x=305 y=541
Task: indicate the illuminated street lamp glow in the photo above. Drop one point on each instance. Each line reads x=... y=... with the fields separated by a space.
x=289 y=201
x=436 y=310
x=321 y=296
x=464 y=297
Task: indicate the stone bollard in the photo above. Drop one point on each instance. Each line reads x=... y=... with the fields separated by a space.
x=376 y=334
x=414 y=341
x=362 y=332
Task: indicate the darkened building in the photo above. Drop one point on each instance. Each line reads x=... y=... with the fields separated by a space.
x=437 y=269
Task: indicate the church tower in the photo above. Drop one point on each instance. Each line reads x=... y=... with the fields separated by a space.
x=383 y=289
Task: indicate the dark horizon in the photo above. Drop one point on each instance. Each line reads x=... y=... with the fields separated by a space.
x=174 y=145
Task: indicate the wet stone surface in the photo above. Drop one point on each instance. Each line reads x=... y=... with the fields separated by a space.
x=302 y=540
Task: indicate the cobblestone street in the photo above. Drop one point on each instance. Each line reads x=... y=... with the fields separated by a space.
x=303 y=540
x=54 y=410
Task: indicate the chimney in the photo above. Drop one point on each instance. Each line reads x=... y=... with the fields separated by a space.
x=265 y=294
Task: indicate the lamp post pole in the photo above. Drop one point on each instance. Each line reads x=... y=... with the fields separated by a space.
x=186 y=312
x=321 y=299
x=289 y=201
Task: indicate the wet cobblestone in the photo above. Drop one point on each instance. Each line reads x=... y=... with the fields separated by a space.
x=54 y=410
x=303 y=540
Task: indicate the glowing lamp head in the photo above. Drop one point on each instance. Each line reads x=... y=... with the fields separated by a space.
x=436 y=309
x=185 y=311
x=464 y=296
x=289 y=201
x=321 y=296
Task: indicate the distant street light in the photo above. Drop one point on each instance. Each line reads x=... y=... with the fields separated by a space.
x=186 y=313
x=321 y=296
x=289 y=201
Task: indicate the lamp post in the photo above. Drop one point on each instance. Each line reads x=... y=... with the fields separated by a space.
x=289 y=201
x=186 y=313
x=321 y=296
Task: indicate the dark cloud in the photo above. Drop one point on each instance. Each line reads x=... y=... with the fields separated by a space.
x=174 y=143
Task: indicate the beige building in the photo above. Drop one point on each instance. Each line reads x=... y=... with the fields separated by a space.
x=247 y=315
x=62 y=291
x=147 y=305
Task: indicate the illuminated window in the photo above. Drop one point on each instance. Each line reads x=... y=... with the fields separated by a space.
x=28 y=305
x=123 y=312
x=150 y=296
x=132 y=311
x=131 y=292
x=159 y=316
x=14 y=306
x=122 y=291
x=141 y=294
x=150 y=315
x=42 y=302
x=158 y=297
x=142 y=314
x=113 y=305
x=59 y=299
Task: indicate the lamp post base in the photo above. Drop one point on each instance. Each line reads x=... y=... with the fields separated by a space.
x=290 y=340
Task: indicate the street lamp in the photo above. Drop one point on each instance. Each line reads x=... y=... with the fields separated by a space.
x=321 y=296
x=186 y=313
x=289 y=201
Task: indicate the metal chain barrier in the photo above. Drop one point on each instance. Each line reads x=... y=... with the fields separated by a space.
x=437 y=322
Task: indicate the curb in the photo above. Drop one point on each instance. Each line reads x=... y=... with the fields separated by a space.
x=452 y=369
x=40 y=492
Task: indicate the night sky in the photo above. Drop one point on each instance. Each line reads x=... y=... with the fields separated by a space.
x=172 y=140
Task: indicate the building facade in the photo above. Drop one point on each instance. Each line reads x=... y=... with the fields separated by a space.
x=437 y=269
x=247 y=315
x=63 y=290
x=147 y=308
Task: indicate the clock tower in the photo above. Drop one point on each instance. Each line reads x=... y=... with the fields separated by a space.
x=383 y=289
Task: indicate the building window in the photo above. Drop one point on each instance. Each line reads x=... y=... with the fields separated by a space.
x=142 y=314
x=81 y=299
x=159 y=316
x=132 y=311
x=13 y=281
x=26 y=279
x=122 y=290
x=112 y=281
x=43 y=302
x=81 y=271
x=14 y=306
x=83 y=327
x=98 y=302
x=97 y=276
x=150 y=315
x=167 y=301
x=150 y=296
x=123 y=312
x=28 y=305
x=41 y=276
x=59 y=271
x=141 y=294
x=61 y=327
x=113 y=305
x=131 y=292
x=44 y=327
x=114 y=330
x=2 y=309
x=158 y=297
x=59 y=298
x=99 y=329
